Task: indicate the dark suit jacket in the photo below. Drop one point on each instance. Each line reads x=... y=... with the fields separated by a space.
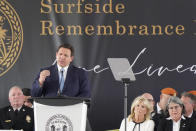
x=158 y=117
x=167 y=125
x=24 y=120
x=76 y=83
x=193 y=121
x=194 y=115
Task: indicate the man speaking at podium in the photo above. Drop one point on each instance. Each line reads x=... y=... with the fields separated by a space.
x=62 y=78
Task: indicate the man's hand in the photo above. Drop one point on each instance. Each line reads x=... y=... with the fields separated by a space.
x=42 y=77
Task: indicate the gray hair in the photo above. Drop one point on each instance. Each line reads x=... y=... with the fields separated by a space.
x=176 y=100
x=14 y=87
x=189 y=95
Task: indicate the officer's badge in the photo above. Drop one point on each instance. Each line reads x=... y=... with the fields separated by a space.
x=7 y=121
x=28 y=119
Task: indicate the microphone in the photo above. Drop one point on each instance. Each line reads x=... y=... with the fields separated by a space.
x=58 y=92
x=54 y=62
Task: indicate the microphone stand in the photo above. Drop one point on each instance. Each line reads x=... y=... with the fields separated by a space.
x=126 y=82
x=58 y=93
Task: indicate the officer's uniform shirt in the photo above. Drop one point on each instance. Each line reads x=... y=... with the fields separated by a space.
x=23 y=120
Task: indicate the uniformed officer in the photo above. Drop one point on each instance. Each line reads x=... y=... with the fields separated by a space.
x=16 y=116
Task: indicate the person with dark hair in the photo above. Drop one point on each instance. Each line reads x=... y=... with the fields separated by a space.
x=63 y=78
x=17 y=116
x=176 y=121
x=27 y=95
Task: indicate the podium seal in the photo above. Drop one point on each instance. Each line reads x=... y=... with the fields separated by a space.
x=59 y=122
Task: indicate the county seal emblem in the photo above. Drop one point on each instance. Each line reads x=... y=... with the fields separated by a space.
x=59 y=122
x=11 y=36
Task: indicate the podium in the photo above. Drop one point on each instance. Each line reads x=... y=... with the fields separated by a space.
x=60 y=113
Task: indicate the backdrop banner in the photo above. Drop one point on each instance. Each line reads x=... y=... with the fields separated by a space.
x=158 y=37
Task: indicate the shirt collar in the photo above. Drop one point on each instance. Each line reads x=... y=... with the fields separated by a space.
x=190 y=115
x=158 y=109
x=65 y=68
x=17 y=108
x=182 y=117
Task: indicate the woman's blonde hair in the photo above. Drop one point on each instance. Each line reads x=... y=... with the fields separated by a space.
x=136 y=101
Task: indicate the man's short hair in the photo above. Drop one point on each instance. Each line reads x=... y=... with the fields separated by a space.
x=68 y=46
x=18 y=87
x=189 y=95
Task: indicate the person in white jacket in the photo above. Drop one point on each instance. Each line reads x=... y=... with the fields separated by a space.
x=139 y=119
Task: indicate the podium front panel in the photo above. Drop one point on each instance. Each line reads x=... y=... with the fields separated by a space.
x=60 y=118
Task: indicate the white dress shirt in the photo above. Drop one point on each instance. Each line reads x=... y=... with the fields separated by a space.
x=176 y=125
x=64 y=73
x=190 y=115
x=158 y=109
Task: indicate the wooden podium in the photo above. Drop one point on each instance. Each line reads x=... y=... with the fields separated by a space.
x=60 y=113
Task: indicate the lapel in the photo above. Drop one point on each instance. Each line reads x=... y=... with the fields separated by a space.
x=55 y=75
x=68 y=77
x=183 y=125
x=194 y=115
x=170 y=125
x=11 y=113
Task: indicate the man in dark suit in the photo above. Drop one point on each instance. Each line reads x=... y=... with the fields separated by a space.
x=16 y=116
x=188 y=101
x=62 y=78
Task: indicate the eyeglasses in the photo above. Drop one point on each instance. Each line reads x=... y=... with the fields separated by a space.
x=174 y=107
